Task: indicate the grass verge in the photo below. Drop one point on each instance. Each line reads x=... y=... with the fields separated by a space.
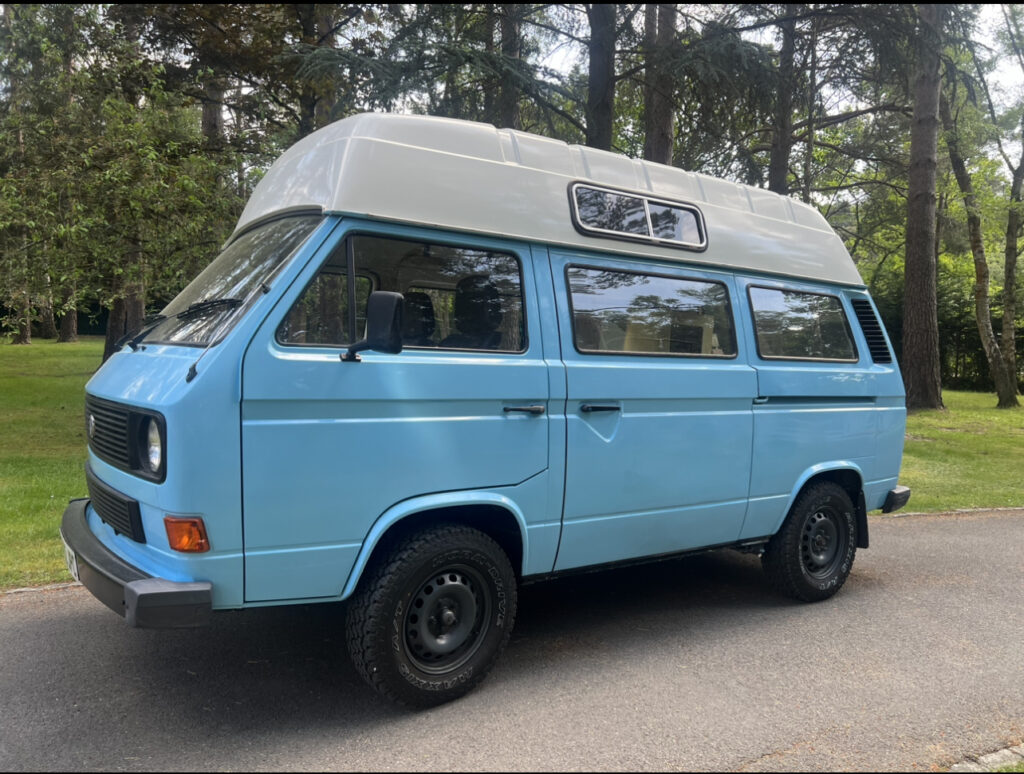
x=42 y=453
x=969 y=456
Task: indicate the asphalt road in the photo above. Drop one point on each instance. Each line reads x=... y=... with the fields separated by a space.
x=691 y=664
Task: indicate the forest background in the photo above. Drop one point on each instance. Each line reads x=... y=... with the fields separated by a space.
x=131 y=136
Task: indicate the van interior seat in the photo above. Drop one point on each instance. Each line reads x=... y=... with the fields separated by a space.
x=643 y=337
x=477 y=315
x=588 y=332
x=418 y=321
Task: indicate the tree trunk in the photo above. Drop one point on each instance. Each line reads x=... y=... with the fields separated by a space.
x=812 y=91
x=327 y=91
x=317 y=98
x=126 y=316
x=1013 y=227
x=134 y=307
x=659 y=36
x=1006 y=384
x=306 y=13
x=601 y=76
x=115 y=328
x=491 y=81
x=921 y=373
x=782 y=131
x=129 y=310
x=23 y=329
x=213 y=113
x=47 y=325
x=511 y=53
x=17 y=285
x=68 y=326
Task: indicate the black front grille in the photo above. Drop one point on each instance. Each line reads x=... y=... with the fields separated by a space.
x=120 y=512
x=872 y=330
x=109 y=436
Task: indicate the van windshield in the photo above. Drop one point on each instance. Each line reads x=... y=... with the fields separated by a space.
x=211 y=304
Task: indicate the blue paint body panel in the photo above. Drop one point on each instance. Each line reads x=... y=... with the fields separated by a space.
x=669 y=469
x=813 y=417
x=299 y=463
x=204 y=472
x=356 y=438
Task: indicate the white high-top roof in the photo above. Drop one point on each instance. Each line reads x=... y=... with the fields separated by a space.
x=468 y=176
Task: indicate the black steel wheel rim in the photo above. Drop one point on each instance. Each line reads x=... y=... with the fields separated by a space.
x=822 y=542
x=447 y=619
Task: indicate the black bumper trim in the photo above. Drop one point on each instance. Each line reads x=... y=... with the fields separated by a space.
x=896 y=499
x=141 y=599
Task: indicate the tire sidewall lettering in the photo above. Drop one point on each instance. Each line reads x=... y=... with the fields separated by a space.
x=416 y=575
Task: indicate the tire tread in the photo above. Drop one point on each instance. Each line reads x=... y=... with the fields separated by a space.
x=368 y=608
x=781 y=556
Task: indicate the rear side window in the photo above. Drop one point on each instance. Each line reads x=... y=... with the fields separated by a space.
x=647 y=314
x=795 y=325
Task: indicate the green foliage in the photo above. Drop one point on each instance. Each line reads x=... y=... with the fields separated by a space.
x=105 y=184
x=131 y=134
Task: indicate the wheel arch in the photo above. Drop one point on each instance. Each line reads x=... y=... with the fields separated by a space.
x=845 y=474
x=493 y=514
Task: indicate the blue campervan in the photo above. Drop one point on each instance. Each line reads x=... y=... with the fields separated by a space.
x=436 y=360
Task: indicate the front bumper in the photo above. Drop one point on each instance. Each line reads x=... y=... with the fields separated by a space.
x=138 y=597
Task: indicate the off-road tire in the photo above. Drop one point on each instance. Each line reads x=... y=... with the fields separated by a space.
x=811 y=556
x=446 y=587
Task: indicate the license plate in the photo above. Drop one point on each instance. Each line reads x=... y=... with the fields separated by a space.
x=71 y=560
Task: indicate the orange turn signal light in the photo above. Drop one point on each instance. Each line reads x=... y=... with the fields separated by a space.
x=186 y=533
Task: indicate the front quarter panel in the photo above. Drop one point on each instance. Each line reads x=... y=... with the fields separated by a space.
x=203 y=452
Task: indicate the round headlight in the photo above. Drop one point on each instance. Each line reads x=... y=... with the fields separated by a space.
x=154 y=447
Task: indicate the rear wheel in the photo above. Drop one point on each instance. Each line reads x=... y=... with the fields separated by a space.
x=812 y=554
x=430 y=619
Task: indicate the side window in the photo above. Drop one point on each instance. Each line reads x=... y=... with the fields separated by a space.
x=610 y=211
x=604 y=212
x=800 y=326
x=455 y=297
x=627 y=312
x=320 y=316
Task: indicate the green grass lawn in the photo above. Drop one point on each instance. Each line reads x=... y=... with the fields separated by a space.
x=42 y=452
x=970 y=456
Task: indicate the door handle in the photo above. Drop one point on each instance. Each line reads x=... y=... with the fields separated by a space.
x=536 y=410
x=587 y=408
x=760 y=400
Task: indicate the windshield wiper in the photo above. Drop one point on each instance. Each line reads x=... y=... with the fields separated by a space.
x=199 y=307
x=132 y=338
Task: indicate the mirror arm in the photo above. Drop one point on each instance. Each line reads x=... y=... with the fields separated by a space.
x=350 y=355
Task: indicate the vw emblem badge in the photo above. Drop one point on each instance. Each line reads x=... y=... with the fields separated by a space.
x=91 y=426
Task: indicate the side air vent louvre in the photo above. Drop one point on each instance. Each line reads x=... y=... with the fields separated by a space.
x=872 y=328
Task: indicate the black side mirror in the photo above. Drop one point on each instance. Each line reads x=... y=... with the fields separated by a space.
x=383 y=325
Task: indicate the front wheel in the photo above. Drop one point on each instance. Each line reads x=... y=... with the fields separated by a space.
x=430 y=619
x=810 y=557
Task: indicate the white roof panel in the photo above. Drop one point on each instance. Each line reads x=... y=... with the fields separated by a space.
x=473 y=177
